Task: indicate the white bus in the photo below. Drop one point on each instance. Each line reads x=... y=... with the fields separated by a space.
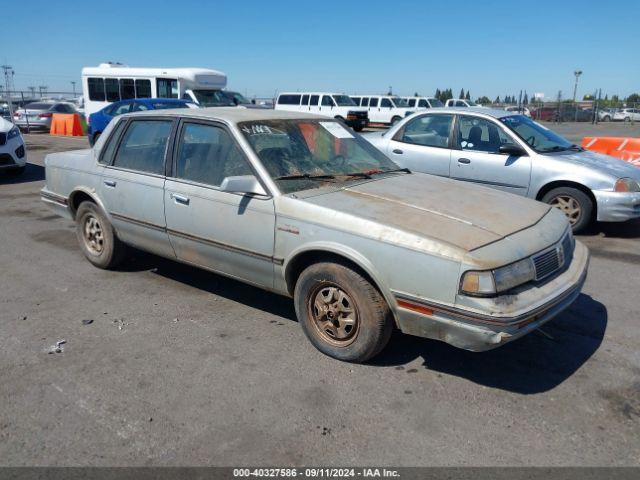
x=112 y=82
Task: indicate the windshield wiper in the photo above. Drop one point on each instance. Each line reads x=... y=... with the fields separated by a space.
x=305 y=176
x=369 y=173
x=577 y=148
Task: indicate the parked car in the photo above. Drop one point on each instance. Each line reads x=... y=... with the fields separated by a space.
x=515 y=154
x=523 y=110
x=302 y=206
x=461 y=102
x=384 y=109
x=423 y=102
x=606 y=114
x=13 y=155
x=627 y=115
x=38 y=115
x=332 y=105
x=99 y=120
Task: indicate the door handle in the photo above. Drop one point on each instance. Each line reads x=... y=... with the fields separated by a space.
x=110 y=183
x=466 y=161
x=397 y=151
x=180 y=199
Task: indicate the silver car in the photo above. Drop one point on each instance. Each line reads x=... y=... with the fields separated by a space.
x=38 y=115
x=300 y=205
x=515 y=154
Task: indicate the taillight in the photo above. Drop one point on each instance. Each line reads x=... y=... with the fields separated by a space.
x=45 y=115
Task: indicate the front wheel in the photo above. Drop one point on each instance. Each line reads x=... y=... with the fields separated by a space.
x=342 y=313
x=574 y=203
x=607 y=118
x=97 y=238
x=358 y=128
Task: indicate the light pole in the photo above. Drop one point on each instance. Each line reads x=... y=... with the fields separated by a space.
x=74 y=88
x=577 y=73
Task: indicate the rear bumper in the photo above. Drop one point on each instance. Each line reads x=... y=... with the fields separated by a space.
x=480 y=331
x=59 y=204
x=617 y=207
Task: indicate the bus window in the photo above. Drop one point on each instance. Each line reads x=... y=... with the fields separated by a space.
x=167 y=88
x=127 y=88
x=112 y=89
x=96 y=89
x=143 y=88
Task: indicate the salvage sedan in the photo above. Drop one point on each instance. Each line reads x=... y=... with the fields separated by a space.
x=299 y=205
x=515 y=154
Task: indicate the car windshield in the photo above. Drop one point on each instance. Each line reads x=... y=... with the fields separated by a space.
x=213 y=98
x=540 y=138
x=435 y=103
x=399 y=102
x=39 y=106
x=237 y=98
x=301 y=154
x=344 y=101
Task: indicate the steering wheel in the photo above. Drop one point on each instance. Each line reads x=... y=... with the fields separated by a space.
x=531 y=141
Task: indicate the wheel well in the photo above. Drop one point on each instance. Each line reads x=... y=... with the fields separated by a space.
x=305 y=259
x=565 y=183
x=76 y=199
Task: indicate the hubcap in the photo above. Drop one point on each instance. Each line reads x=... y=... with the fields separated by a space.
x=569 y=206
x=93 y=236
x=334 y=315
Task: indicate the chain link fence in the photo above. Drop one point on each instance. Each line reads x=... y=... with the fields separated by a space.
x=13 y=101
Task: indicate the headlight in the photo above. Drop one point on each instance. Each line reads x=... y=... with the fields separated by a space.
x=490 y=282
x=627 y=185
x=13 y=133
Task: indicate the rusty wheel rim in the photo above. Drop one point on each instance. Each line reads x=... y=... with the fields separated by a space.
x=569 y=206
x=93 y=235
x=335 y=316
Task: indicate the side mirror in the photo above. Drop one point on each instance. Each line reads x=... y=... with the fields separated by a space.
x=247 y=184
x=512 y=150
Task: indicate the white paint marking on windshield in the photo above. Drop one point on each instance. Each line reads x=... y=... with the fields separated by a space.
x=337 y=130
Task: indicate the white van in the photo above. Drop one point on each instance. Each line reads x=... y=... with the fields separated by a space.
x=461 y=102
x=423 y=102
x=333 y=105
x=112 y=82
x=386 y=109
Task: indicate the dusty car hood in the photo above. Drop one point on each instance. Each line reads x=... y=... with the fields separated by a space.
x=455 y=213
x=603 y=163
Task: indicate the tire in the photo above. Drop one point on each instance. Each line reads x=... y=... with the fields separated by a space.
x=606 y=118
x=567 y=199
x=101 y=246
x=395 y=120
x=627 y=119
x=358 y=128
x=367 y=329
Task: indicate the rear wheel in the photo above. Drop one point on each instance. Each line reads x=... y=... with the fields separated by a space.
x=97 y=238
x=341 y=312
x=358 y=128
x=574 y=203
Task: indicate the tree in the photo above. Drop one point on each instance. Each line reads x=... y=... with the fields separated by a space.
x=633 y=98
x=416 y=94
x=588 y=96
x=461 y=93
x=468 y=97
x=525 y=99
x=438 y=94
x=497 y=100
x=483 y=100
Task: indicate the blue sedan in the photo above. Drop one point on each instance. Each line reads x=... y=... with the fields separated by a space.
x=99 y=120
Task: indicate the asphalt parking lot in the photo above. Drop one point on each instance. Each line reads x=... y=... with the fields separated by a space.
x=167 y=365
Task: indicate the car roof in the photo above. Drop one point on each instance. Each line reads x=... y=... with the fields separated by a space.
x=490 y=112
x=229 y=114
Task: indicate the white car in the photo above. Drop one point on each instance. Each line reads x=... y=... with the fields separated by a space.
x=627 y=114
x=515 y=109
x=423 y=102
x=13 y=155
x=333 y=105
x=461 y=102
x=386 y=109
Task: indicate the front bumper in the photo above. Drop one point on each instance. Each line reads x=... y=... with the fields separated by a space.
x=616 y=206
x=479 y=331
x=13 y=154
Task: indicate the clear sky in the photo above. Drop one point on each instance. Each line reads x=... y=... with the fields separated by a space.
x=490 y=47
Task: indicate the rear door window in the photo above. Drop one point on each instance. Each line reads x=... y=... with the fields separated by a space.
x=143 y=146
x=314 y=100
x=428 y=130
x=373 y=102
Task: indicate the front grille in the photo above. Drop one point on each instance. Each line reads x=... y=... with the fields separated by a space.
x=5 y=159
x=362 y=115
x=3 y=138
x=546 y=263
